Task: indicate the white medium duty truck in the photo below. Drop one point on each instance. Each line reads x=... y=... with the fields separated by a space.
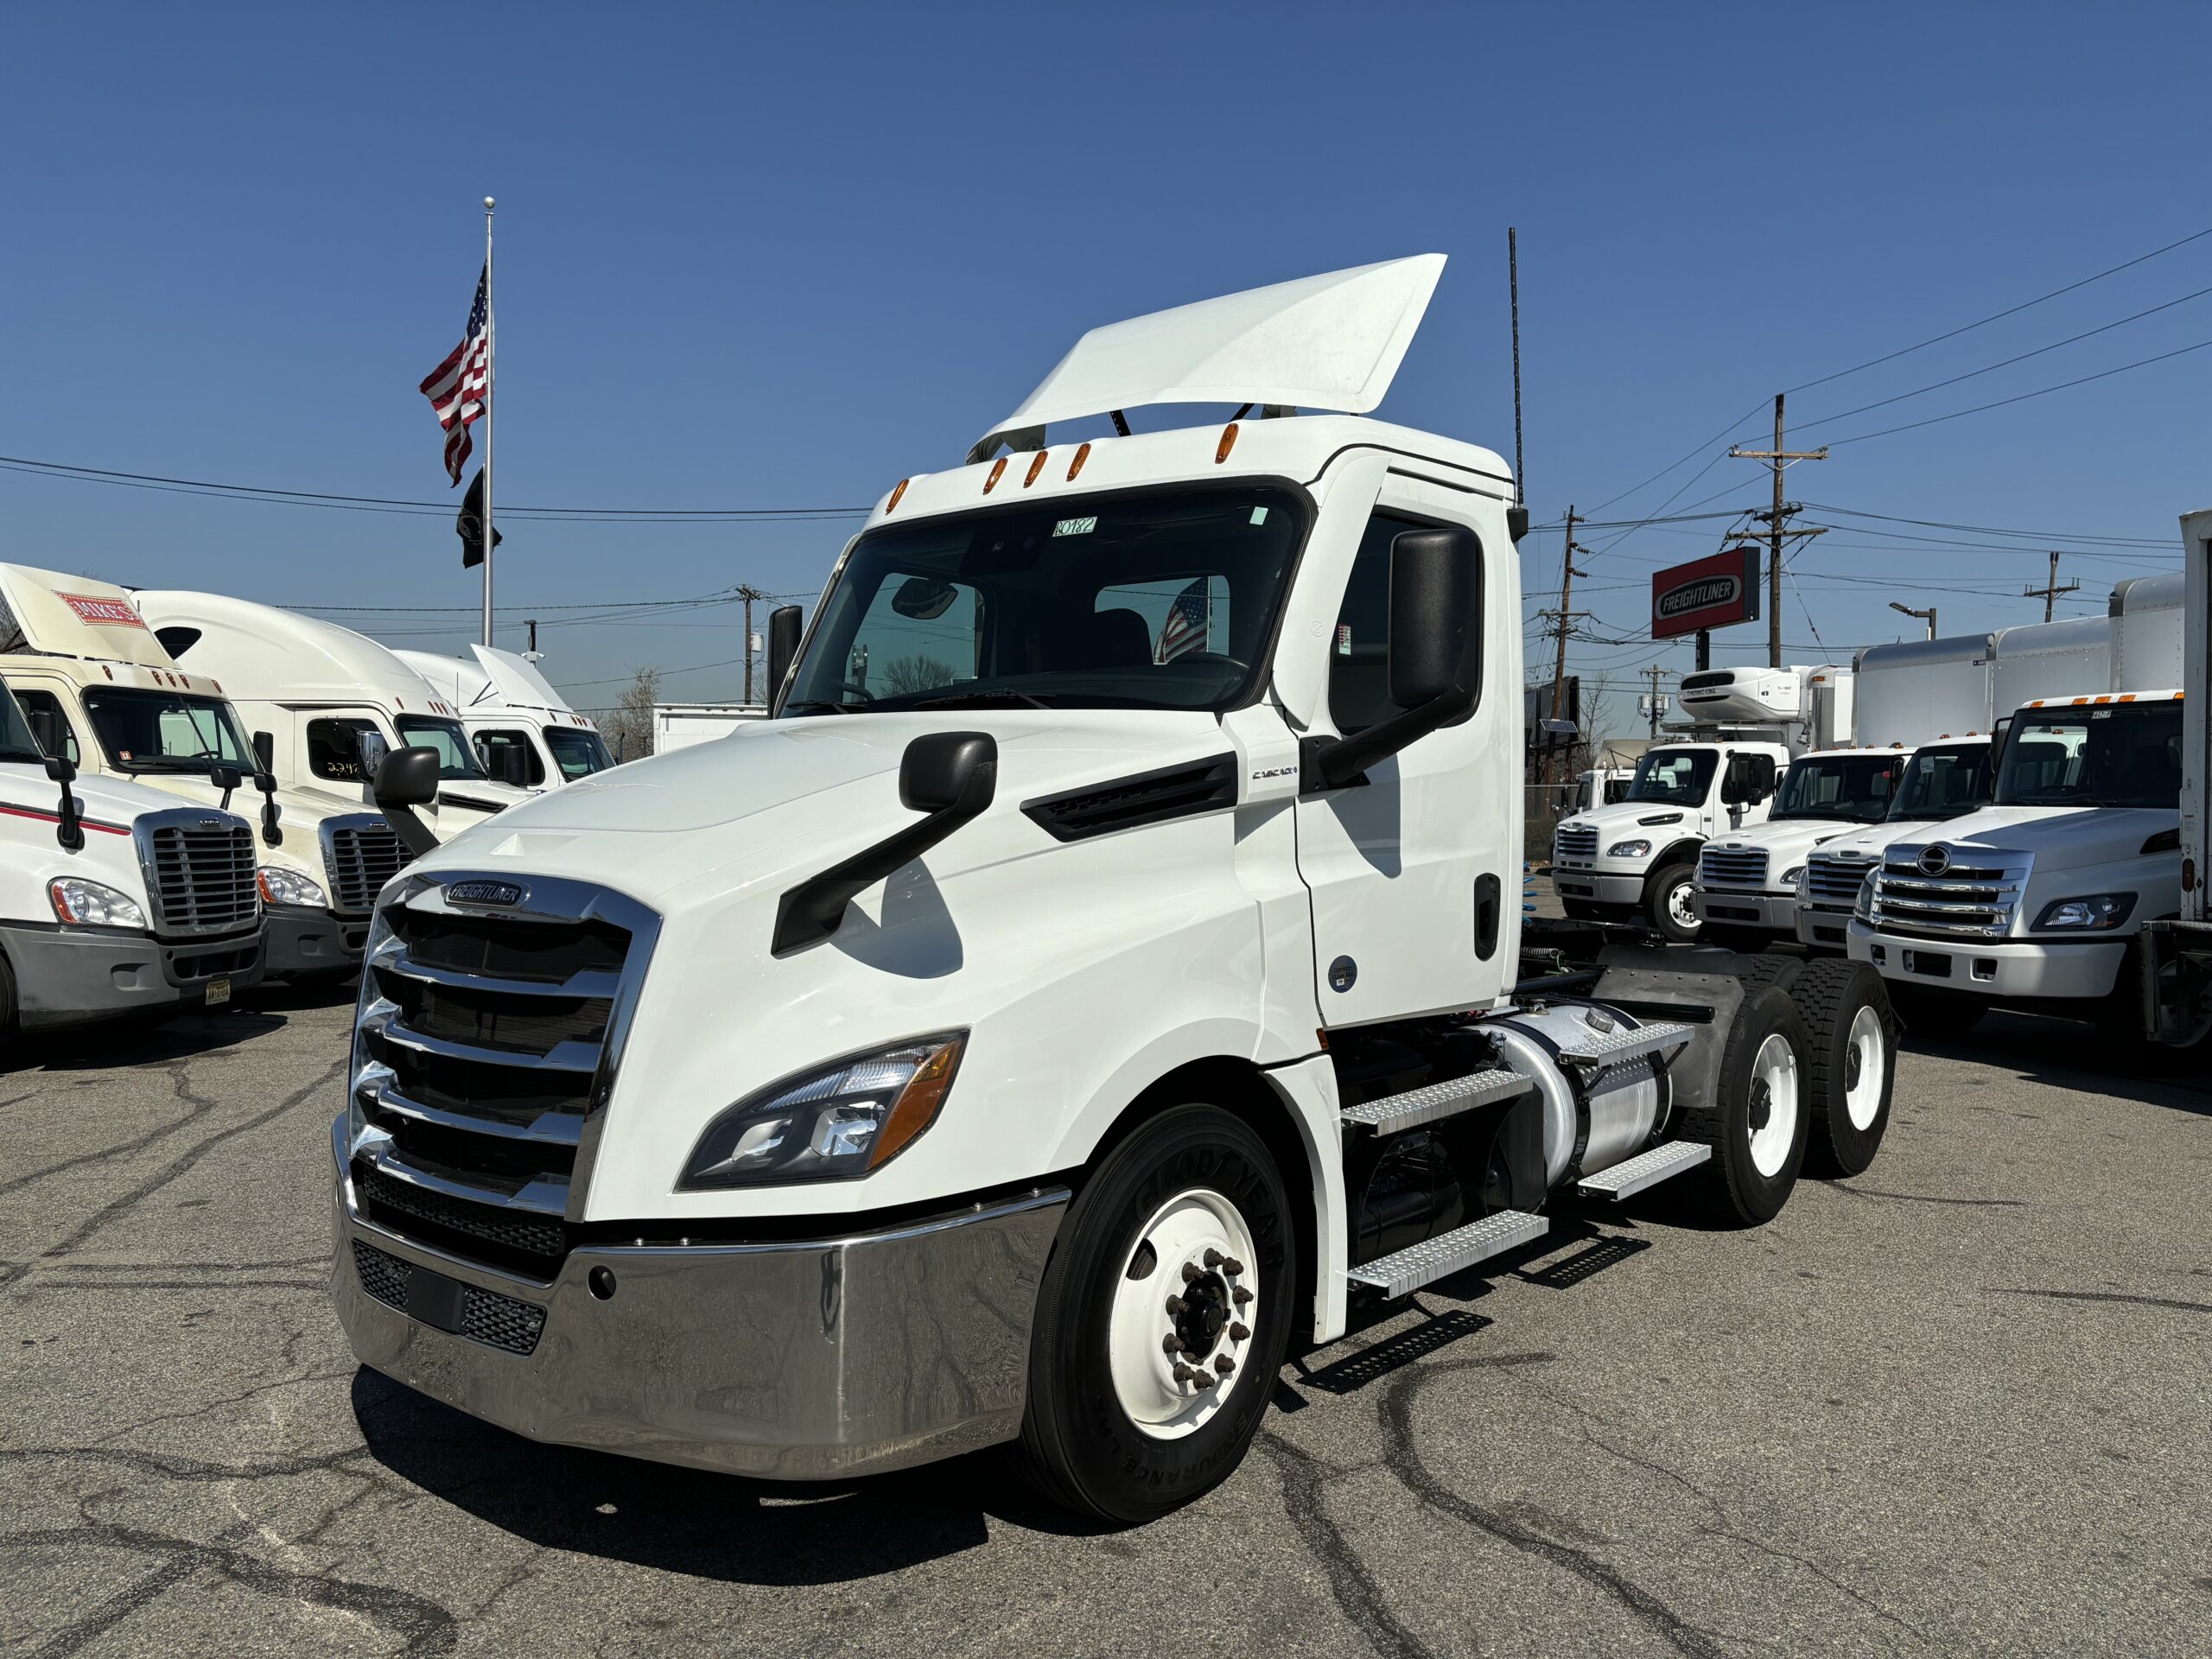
x=1031 y=1044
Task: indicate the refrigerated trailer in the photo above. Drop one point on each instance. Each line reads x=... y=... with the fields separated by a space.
x=1035 y=1046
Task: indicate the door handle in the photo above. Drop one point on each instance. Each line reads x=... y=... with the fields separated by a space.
x=1488 y=908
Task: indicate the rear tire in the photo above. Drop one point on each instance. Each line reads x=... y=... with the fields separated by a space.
x=1850 y=1067
x=1667 y=903
x=1932 y=1014
x=1756 y=1122
x=1110 y=1429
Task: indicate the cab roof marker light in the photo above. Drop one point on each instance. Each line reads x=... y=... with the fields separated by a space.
x=1228 y=442
x=998 y=467
x=897 y=490
x=1035 y=468
x=1082 y=454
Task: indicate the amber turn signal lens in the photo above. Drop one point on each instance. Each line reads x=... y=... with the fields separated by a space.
x=898 y=490
x=998 y=467
x=1035 y=468
x=1228 y=442
x=917 y=1103
x=1082 y=454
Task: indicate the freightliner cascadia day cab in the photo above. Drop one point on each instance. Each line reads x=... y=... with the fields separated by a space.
x=323 y=692
x=115 y=901
x=1638 y=858
x=523 y=731
x=1104 y=968
x=100 y=691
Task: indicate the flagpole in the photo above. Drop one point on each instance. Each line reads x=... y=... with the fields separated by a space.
x=491 y=345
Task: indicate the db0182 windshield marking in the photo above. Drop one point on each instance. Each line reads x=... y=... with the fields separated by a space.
x=804 y=693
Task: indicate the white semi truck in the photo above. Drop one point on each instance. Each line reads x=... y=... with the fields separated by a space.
x=1638 y=857
x=115 y=901
x=524 y=733
x=1033 y=1048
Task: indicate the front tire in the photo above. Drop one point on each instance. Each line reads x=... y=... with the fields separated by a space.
x=1851 y=1066
x=1183 y=1233
x=1756 y=1122
x=1667 y=903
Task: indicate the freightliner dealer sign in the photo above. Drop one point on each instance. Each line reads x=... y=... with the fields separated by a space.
x=1708 y=592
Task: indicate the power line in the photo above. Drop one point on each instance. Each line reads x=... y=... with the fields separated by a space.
x=2041 y=391
x=1992 y=529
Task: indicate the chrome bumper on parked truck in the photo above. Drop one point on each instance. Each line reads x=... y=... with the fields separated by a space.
x=789 y=1359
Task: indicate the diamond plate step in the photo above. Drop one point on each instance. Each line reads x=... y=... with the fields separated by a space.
x=1403 y=1272
x=1645 y=1169
x=1614 y=1047
x=1424 y=1105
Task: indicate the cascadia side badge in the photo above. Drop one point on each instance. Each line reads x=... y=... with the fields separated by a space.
x=484 y=892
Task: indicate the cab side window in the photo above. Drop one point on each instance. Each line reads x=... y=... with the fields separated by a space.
x=335 y=749
x=494 y=747
x=49 y=723
x=1359 y=669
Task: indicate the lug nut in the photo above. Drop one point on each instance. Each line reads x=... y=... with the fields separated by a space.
x=1183 y=1374
x=1225 y=1364
x=1202 y=1380
x=1240 y=1333
x=1174 y=1307
x=1214 y=1258
x=1190 y=1272
x=1230 y=1266
x=1173 y=1345
x=1241 y=1296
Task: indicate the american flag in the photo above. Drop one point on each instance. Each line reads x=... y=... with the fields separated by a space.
x=1188 y=625
x=456 y=387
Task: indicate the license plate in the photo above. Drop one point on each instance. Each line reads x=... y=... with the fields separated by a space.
x=219 y=992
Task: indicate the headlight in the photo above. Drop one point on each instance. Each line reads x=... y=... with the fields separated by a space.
x=2096 y=912
x=90 y=905
x=837 y=1123
x=1863 y=905
x=1628 y=850
x=281 y=886
x=1793 y=876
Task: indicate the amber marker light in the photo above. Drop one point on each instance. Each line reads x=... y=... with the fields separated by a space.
x=1035 y=468
x=1228 y=442
x=897 y=490
x=998 y=467
x=917 y=1106
x=1082 y=454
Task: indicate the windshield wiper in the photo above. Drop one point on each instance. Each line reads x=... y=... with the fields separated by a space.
x=978 y=699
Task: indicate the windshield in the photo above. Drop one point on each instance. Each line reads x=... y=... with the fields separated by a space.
x=1674 y=777
x=1942 y=781
x=1857 y=787
x=2117 y=754
x=166 y=731
x=1154 y=599
x=16 y=742
x=455 y=758
x=578 y=753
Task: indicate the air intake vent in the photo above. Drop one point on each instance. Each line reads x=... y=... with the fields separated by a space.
x=1146 y=798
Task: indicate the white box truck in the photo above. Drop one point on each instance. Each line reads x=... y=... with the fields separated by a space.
x=525 y=734
x=679 y=725
x=1033 y=1052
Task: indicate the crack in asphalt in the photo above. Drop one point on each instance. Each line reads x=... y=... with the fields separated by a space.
x=1351 y=1586
x=177 y=1071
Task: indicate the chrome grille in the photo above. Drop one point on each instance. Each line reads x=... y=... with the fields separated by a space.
x=1576 y=841
x=1969 y=901
x=1832 y=880
x=1720 y=867
x=359 y=853
x=484 y=1050
x=199 y=873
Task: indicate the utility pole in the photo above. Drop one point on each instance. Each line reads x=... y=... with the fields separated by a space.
x=1653 y=674
x=748 y=593
x=1777 y=456
x=1930 y=613
x=531 y=655
x=1563 y=622
x=2051 y=590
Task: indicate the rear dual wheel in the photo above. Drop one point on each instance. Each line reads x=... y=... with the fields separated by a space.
x=1851 y=1065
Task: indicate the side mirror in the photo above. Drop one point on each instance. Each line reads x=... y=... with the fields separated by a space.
x=228 y=779
x=404 y=779
x=69 y=829
x=783 y=650
x=952 y=777
x=1434 y=652
x=514 y=766
x=42 y=730
x=264 y=752
x=265 y=781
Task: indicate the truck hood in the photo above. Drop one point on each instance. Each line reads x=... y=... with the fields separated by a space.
x=787 y=798
x=2058 y=838
x=27 y=789
x=1616 y=817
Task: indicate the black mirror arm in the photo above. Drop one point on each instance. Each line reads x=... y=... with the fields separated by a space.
x=1334 y=762
x=812 y=911
x=266 y=782
x=68 y=828
x=414 y=835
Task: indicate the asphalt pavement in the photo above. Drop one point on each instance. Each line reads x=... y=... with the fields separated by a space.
x=1960 y=1405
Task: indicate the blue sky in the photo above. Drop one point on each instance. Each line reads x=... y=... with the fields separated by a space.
x=782 y=257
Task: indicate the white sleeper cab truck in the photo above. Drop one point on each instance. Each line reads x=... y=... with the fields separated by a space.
x=1943 y=781
x=1747 y=881
x=115 y=901
x=101 y=691
x=1033 y=1046
x=525 y=733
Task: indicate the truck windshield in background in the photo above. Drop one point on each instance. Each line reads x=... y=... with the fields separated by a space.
x=1854 y=787
x=1154 y=599
x=578 y=753
x=456 y=759
x=166 y=731
x=1942 y=781
x=2112 y=754
x=1674 y=777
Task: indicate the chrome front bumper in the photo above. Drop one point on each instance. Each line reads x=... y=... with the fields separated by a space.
x=793 y=1361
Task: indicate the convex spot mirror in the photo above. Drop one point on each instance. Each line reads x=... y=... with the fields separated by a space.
x=924 y=598
x=1435 y=600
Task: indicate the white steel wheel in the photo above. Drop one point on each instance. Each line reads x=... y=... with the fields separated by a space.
x=1865 y=1068
x=1181 y=1328
x=1678 y=908
x=1774 y=1104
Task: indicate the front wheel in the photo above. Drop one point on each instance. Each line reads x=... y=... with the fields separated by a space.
x=1667 y=903
x=1162 y=1319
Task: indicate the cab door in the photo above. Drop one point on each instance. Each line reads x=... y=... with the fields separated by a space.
x=1415 y=874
